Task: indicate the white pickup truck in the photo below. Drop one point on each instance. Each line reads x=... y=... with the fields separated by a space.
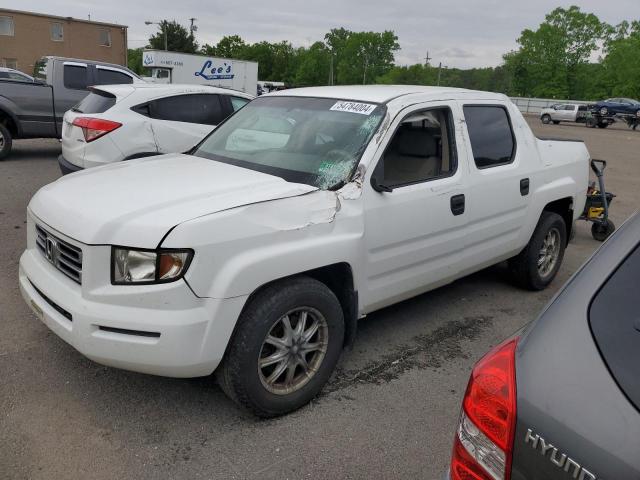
x=255 y=254
x=564 y=112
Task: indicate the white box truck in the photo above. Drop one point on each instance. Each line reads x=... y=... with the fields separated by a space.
x=175 y=67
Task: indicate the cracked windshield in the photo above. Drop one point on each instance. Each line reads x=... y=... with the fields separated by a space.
x=317 y=141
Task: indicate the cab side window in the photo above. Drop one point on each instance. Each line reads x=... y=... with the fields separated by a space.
x=421 y=149
x=491 y=136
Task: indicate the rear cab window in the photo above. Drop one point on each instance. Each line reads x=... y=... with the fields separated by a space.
x=615 y=325
x=112 y=77
x=97 y=101
x=75 y=77
x=491 y=135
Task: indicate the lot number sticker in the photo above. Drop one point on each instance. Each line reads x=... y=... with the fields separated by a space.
x=354 y=107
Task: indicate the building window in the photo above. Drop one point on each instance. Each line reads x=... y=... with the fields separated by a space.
x=105 y=38
x=9 y=63
x=57 y=32
x=6 y=26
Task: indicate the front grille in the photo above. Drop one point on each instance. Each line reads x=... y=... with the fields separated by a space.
x=65 y=257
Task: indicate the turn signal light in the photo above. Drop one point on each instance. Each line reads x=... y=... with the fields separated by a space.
x=94 y=128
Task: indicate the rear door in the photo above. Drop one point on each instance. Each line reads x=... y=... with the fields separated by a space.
x=498 y=189
x=179 y=122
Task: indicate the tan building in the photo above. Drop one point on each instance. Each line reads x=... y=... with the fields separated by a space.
x=25 y=37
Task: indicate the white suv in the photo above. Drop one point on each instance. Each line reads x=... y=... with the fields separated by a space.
x=122 y=122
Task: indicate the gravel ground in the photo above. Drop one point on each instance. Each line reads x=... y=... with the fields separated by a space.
x=389 y=412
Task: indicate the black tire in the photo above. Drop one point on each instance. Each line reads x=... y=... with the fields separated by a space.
x=524 y=266
x=601 y=232
x=603 y=125
x=556 y=122
x=5 y=141
x=240 y=375
x=546 y=119
x=591 y=122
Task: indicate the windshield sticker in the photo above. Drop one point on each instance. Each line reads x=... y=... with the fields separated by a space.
x=354 y=107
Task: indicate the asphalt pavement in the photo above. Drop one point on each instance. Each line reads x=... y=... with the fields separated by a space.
x=390 y=411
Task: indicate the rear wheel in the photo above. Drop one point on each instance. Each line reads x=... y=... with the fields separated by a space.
x=285 y=347
x=556 y=122
x=546 y=119
x=5 y=141
x=603 y=125
x=537 y=265
x=602 y=231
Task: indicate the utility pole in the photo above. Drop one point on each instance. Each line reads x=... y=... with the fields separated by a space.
x=427 y=59
x=192 y=28
x=331 y=70
x=439 y=71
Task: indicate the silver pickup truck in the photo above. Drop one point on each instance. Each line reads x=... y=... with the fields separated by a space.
x=35 y=109
x=564 y=112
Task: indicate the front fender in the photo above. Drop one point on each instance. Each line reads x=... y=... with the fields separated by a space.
x=239 y=250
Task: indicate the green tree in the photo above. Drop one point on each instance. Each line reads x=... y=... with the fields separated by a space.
x=230 y=46
x=549 y=59
x=134 y=60
x=178 y=38
x=313 y=65
x=622 y=63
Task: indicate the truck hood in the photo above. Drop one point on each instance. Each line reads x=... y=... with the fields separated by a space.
x=136 y=203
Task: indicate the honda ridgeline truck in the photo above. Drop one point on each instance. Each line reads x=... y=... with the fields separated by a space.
x=255 y=254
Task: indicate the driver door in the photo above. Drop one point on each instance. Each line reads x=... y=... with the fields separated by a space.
x=415 y=206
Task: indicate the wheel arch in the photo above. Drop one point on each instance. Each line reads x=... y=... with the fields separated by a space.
x=10 y=121
x=338 y=278
x=564 y=208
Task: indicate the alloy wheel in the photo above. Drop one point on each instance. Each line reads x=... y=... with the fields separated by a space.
x=549 y=253
x=293 y=350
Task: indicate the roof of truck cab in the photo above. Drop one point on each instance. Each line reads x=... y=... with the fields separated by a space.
x=159 y=89
x=386 y=93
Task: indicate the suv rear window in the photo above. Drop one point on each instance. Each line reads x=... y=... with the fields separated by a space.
x=615 y=325
x=96 y=102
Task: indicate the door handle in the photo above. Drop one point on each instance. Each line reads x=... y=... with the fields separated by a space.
x=457 y=204
x=524 y=187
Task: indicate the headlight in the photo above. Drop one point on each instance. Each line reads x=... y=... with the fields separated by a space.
x=135 y=266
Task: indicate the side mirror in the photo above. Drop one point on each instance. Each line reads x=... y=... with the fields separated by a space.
x=378 y=186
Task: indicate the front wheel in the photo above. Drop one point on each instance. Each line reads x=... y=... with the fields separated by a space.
x=546 y=119
x=603 y=125
x=602 y=231
x=604 y=111
x=5 y=141
x=537 y=265
x=286 y=345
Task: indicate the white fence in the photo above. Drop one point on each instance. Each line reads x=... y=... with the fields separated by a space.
x=535 y=105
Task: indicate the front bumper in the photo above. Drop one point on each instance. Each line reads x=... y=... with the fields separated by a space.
x=67 y=167
x=168 y=332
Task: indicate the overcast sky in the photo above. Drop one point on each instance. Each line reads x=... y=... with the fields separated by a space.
x=458 y=33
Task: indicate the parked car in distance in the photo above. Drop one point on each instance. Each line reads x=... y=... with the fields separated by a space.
x=35 y=109
x=255 y=254
x=122 y=122
x=562 y=399
x=564 y=112
x=617 y=106
x=16 y=75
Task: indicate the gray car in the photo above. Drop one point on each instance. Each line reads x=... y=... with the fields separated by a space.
x=561 y=400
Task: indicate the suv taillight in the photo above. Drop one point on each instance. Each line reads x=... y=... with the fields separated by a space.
x=483 y=444
x=94 y=128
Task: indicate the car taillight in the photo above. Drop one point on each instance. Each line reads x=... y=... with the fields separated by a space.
x=483 y=444
x=94 y=128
